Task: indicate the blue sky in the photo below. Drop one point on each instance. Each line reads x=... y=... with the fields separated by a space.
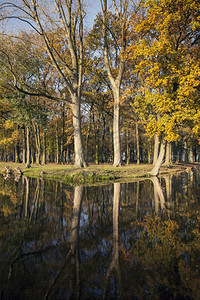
x=92 y=8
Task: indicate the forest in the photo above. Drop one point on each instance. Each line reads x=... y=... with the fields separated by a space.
x=124 y=90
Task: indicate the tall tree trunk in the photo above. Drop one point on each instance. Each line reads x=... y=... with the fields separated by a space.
x=156 y=148
x=24 y=144
x=103 y=150
x=96 y=140
x=62 y=160
x=149 y=154
x=88 y=133
x=44 y=155
x=52 y=151
x=137 y=142
x=37 y=141
x=127 y=148
x=78 y=144
x=5 y=148
x=114 y=79
x=186 y=152
x=116 y=127
x=17 y=150
x=160 y=159
x=28 y=157
x=57 y=145
x=191 y=155
x=168 y=154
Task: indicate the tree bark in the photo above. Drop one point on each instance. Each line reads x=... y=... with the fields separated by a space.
x=127 y=148
x=37 y=142
x=191 y=155
x=78 y=144
x=28 y=158
x=24 y=144
x=116 y=127
x=186 y=152
x=44 y=156
x=96 y=139
x=159 y=161
x=168 y=154
x=62 y=160
x=103 y=148
x=17 y=150
x=137 y=142
x=57 y=145
x=156 y=148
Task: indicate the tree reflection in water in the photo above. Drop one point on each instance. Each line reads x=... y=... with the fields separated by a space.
x=135 y=240
x=114 y=264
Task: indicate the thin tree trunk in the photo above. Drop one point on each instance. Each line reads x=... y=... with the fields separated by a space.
x=149 y=152
x=44 y=156
x=137 y=142
x=97 y=142
x=63 y=135
x=168 y=154
x=127 y=148
x=88 y=134
x=5 y=149
x=159 y=161
x=24 y=144
x=57 y=145
x=191 y=155
x=186 y=152
x=103 y=151
x=37 y=141
x=156 y=148
x=28 y=158
x=52 y=151
x=17 y=160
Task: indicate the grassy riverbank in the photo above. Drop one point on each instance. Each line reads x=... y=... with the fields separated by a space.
x=93 y=173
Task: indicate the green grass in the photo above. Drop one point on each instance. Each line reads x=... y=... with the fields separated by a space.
x=90 y=175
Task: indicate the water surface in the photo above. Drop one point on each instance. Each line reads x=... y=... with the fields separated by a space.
x=137 y=240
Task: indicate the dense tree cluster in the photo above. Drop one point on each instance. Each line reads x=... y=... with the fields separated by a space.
x=122 y=91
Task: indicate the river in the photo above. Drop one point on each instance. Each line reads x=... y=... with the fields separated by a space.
x=138 y=240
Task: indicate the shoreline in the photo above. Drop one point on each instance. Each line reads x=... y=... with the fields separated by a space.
x=95 y=174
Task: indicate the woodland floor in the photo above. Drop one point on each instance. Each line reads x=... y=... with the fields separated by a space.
x=95 y=173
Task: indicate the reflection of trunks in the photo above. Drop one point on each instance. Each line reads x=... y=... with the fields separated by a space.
x=114 y=265
x=78 y=192
x=98 y=242
x=158 y=194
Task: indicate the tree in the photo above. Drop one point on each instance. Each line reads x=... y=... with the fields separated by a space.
x=115 y=26
x=166 y=57
x=63 y=41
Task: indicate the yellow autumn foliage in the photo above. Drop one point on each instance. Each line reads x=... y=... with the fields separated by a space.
x=164 y=51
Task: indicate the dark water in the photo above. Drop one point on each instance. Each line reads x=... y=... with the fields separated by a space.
x=136 y=240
